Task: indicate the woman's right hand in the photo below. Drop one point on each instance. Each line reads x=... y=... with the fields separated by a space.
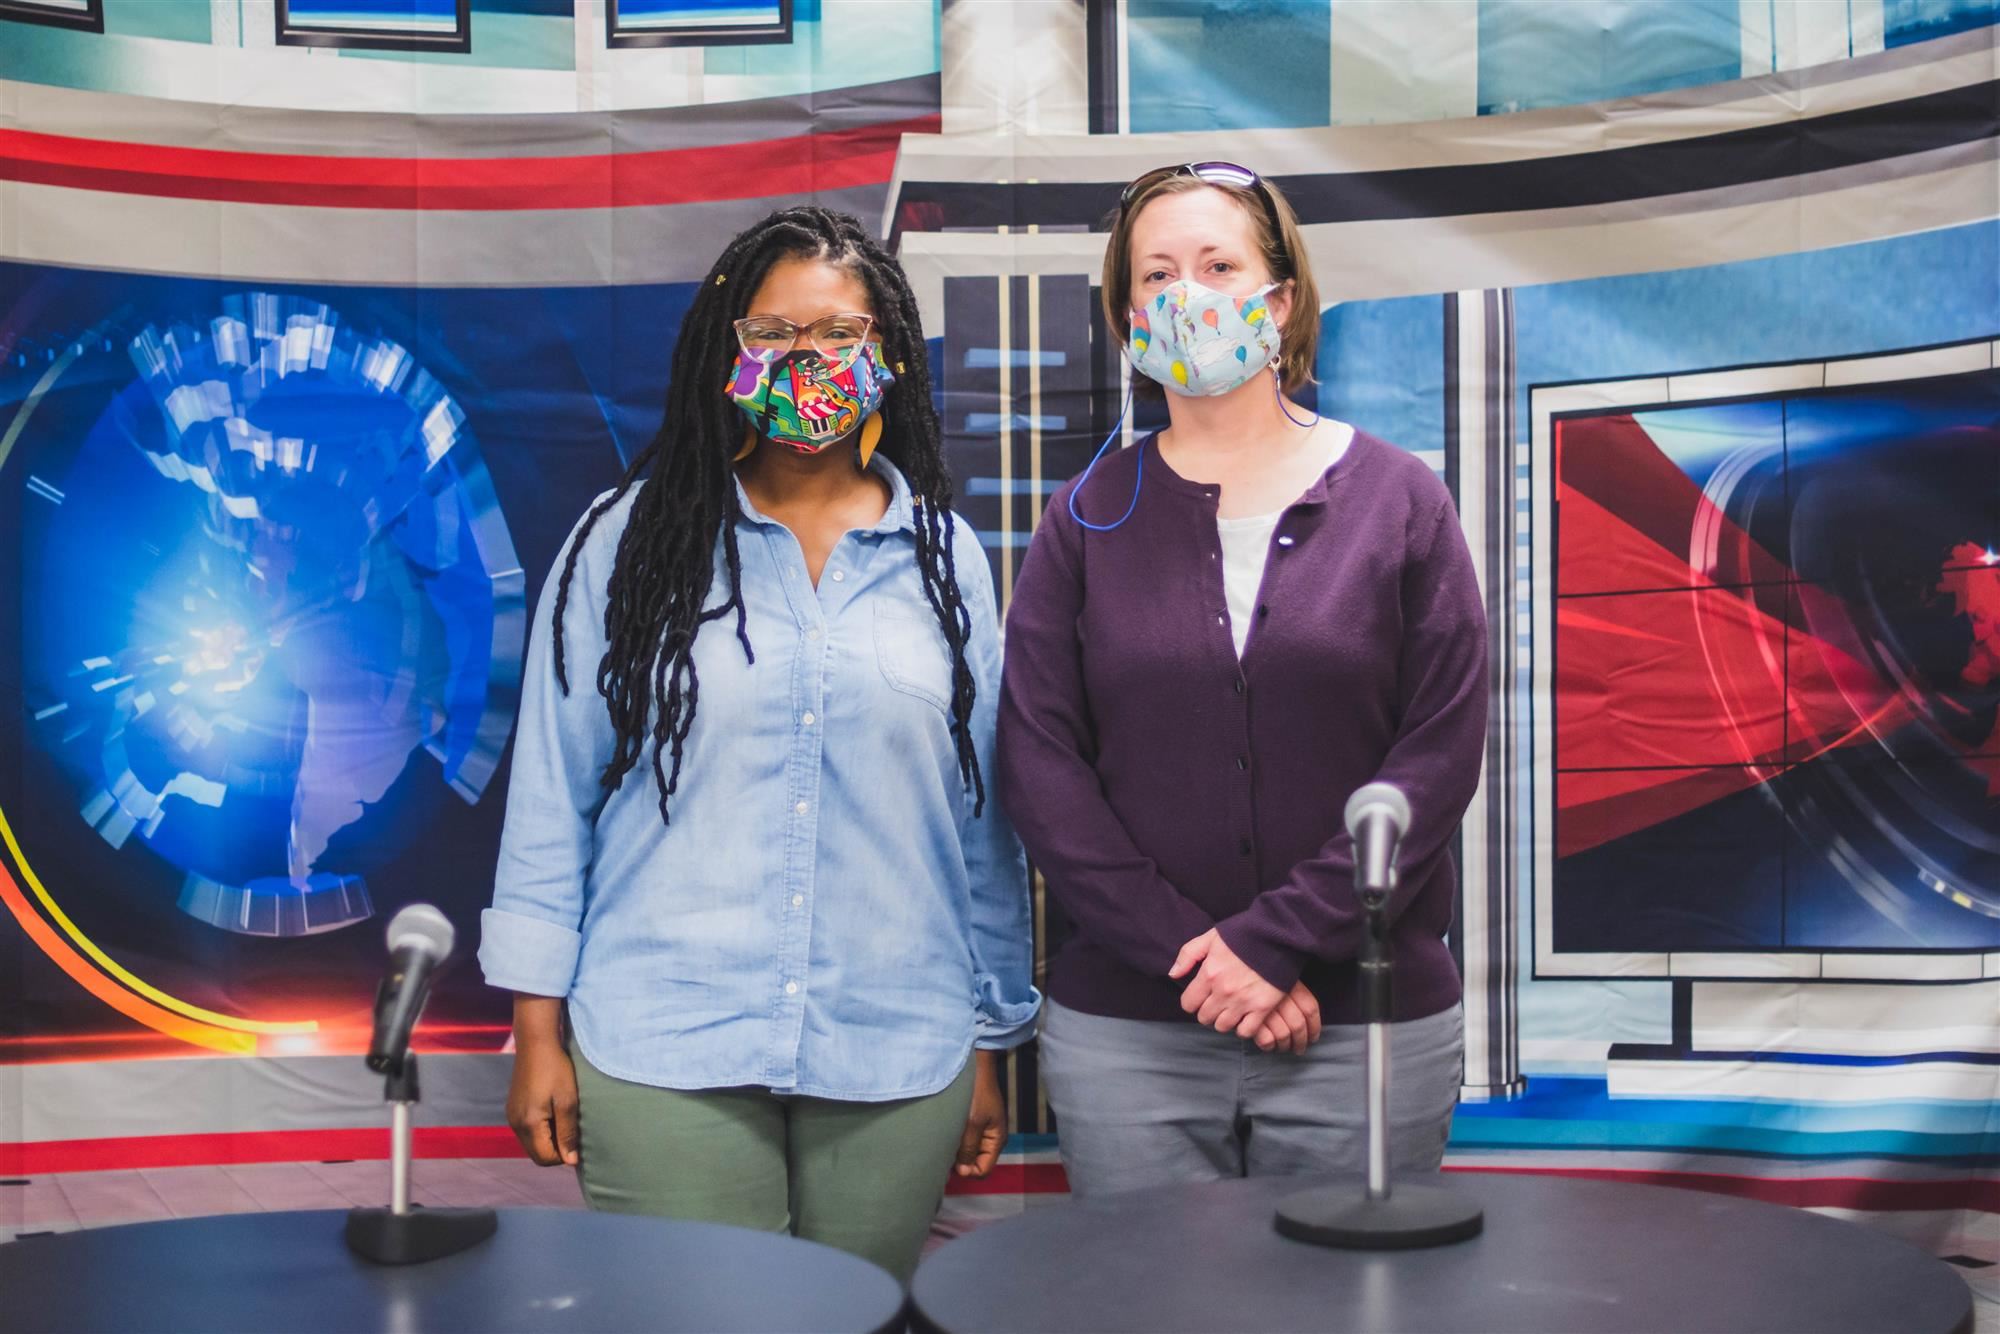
x=541 y=1104
x=541 y=1097
x=1294 y=1025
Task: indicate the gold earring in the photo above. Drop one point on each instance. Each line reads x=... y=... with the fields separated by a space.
x=871 y=436
x=749 y=445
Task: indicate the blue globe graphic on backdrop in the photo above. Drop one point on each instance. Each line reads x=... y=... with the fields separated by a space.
x=280 y=579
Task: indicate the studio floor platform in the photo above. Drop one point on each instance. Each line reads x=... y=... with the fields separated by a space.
x=64 y=1202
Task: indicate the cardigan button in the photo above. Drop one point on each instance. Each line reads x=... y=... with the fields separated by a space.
x=1285 y=541
x=1244 y=847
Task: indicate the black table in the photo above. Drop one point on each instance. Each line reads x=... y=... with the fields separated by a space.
x=544 y=1270
x=1583 y=1257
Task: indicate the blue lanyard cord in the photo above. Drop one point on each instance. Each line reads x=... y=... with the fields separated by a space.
x=1139 y=476
x=1138 y=479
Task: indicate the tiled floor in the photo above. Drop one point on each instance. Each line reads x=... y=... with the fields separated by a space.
x=64 y=1202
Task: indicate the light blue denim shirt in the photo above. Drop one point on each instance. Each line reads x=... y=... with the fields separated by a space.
x=824 y=915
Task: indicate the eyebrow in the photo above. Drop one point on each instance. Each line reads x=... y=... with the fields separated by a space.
x=1205 y=250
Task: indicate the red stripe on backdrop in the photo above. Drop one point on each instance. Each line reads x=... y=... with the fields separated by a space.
x=1013 y=1179
x=834 y=160
x=129 y=1153
x=1801 y=1192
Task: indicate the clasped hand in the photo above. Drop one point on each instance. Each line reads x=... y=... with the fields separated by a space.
x=1228 y=995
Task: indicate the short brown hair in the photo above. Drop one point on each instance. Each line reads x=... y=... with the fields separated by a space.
x=1284 y=255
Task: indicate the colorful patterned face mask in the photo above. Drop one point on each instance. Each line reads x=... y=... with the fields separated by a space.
x=801 y=400
x=1199 y=342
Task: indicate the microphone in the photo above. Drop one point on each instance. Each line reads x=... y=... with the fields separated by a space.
x=1378 y=815
x=1389 y=1216
x=420 y=939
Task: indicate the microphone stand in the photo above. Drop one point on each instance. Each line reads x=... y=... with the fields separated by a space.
x=1389 y=1216
x=404 y=1234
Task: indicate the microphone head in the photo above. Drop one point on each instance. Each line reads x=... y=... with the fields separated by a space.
x=1373 y=798
x=424 y=927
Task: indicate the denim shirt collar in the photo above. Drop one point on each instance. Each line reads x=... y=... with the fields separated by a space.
x=900 y=517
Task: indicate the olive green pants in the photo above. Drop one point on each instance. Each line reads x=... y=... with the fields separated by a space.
x=862 y=1176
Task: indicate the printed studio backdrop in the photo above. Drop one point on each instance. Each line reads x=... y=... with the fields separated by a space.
x=320 y=323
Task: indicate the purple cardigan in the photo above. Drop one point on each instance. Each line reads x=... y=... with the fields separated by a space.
x=1164 y=789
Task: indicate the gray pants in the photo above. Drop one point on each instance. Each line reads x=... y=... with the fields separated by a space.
x=1141 y=1103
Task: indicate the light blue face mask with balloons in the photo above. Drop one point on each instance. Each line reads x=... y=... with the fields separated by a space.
x=1197 y=342
x=1200 y=342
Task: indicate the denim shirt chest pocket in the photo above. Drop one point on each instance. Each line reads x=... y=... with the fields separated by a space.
x=910 y=649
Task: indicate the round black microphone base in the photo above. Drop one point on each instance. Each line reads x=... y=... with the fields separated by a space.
x=1414 y=1216
x=390 y=1238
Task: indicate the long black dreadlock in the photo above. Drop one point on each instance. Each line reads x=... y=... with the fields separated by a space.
x=666 y=555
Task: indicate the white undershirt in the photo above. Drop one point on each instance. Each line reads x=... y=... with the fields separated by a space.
x=1246 y=545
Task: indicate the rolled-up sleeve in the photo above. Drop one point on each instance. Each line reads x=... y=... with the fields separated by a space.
x=530 y=938
x=1003 y=945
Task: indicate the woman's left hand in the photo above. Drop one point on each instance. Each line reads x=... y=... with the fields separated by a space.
x=986 y=1124
x=1226 y=994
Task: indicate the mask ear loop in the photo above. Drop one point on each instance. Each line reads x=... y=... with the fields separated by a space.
x=1278 y=388
x=1138 y=479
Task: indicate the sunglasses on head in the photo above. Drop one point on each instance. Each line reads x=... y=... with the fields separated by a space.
x=1210 y=173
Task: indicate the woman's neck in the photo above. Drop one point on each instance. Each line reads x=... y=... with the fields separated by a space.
x=1246 y=422
x=781 y=478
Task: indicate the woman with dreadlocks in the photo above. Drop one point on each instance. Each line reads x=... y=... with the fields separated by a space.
x=756 y=866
